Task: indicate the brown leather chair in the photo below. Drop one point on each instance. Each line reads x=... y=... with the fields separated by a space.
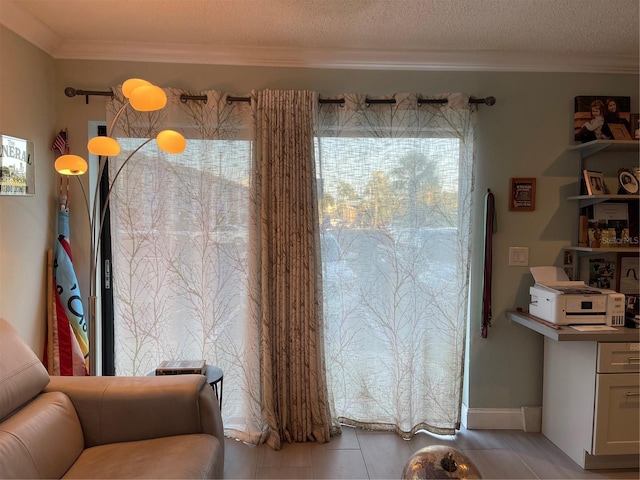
x=103 y=427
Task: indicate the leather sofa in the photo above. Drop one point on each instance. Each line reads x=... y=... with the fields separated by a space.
x=103 y=427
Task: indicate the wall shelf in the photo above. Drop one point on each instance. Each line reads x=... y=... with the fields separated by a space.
x=604 y=249
x=595 y=146
x=585 y=203
x=586 y=200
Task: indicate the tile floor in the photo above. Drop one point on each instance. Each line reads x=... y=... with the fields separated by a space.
x=359 y=454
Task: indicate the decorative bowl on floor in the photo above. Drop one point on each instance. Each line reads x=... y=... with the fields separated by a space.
x=439 y=461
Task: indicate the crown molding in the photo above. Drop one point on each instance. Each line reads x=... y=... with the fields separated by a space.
x=44 y=38
x=29 y=28
x=415 y=60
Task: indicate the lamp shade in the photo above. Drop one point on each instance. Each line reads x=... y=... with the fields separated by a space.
x=130 y=85
x=105 y=146
x=71 y=165
x=148 y=98
x=171 y=141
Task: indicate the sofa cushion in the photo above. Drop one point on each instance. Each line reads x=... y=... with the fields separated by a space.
x=41 y=440
x=22 y=375
x=181 y=456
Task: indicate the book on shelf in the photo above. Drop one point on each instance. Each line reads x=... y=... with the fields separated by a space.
x=583 y=237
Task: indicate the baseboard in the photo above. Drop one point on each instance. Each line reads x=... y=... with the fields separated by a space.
x=492 y=418
x=595 y=462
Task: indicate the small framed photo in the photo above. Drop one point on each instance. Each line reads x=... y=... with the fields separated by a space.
x=523 y=194
x=619 y=131
x=602 y=273
x=594 y=182
x=629 y=273
x=628 y=182
x=635 y=126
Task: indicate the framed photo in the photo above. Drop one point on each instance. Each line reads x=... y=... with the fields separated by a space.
x=629 y=273
x=594 y=182
x=628 y=182
x=523 y=194
x=619 y=131
x=602 y=273
x=635 y=126
x=594 y=114
x=17 y=166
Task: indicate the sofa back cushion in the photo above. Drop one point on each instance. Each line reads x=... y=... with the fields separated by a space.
x=41 y=440
x=22 y=375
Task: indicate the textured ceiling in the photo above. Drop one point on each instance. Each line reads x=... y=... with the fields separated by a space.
x=418 y=34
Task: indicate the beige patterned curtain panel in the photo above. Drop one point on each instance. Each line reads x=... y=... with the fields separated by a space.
x=317 y=254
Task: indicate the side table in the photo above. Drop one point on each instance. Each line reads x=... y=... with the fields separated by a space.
x=215 y=377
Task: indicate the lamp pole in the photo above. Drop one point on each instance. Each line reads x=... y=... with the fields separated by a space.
x=143 y=97
x=96 y=224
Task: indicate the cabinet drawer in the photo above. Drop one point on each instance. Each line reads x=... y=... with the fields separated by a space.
x=619 y=357
x=617 y=414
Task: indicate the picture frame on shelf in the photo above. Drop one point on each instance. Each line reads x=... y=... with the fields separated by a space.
x=619 y=131
x=628 y=182
x=628 y=273
x=635 y=126
x=594 y=182
x=602 y=273
x=523 y=195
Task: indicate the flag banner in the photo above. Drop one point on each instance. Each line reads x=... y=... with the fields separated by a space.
x=68 y=343
x=60 y=143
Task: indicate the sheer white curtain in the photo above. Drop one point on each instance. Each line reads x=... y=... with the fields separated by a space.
x=395 y=199
x=180 y=234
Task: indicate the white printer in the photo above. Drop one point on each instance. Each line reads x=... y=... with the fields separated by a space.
x=558 y=300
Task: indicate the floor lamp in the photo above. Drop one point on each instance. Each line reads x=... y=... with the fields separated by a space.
x=143 y=97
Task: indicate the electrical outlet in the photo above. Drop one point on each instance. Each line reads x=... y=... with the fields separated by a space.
x=519 y=256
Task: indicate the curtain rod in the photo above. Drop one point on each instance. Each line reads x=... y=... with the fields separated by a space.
x=72 y=92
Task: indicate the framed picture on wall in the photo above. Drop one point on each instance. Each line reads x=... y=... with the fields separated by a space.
x=17 y=166
x=523 y=194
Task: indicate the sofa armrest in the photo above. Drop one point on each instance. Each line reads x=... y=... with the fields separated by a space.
x=120 y=409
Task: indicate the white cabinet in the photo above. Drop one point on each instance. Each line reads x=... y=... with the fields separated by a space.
x=591 y=401
x=617 y=412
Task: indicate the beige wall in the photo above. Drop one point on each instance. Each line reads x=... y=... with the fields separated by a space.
x=525 y=134
x=27 y=110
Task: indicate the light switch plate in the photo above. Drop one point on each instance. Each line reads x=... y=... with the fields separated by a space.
x=519 y=256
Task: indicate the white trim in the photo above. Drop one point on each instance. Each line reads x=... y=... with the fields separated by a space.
x=357 y=59
x=34 y=31
x=492 y=418
x=29 y=28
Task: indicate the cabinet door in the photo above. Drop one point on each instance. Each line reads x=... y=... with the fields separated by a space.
x=617 y=415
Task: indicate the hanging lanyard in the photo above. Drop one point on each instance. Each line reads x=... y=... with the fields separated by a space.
x=490 y=228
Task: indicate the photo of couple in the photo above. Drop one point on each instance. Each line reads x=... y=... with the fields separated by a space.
x=601 y=118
